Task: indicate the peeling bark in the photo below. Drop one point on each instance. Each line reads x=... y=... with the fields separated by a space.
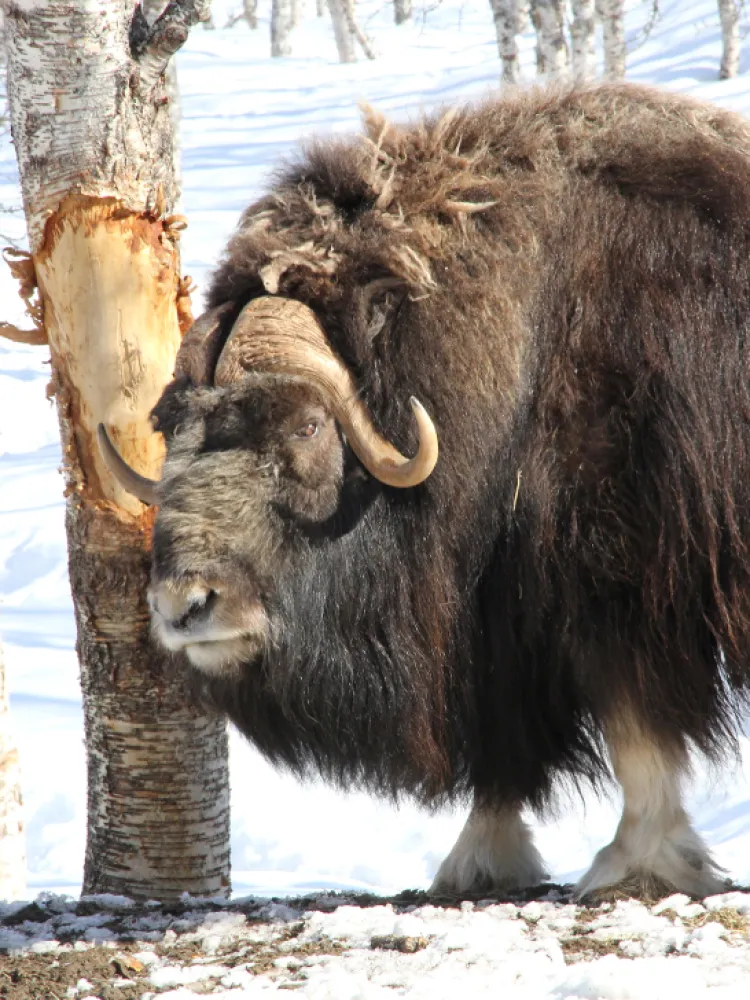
x=94 y=143
x=729 y=12
x=12 y=853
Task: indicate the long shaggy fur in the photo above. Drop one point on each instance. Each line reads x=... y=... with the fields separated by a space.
x=562 y=279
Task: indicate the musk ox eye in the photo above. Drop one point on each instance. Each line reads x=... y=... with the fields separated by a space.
x=308 y=430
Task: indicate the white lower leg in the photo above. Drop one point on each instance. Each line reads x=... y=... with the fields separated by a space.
x=493 y=852
x=654 y=836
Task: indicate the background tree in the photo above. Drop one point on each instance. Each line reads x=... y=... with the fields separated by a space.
x=611 y=13
x=583 y=39
x=729 y=13
x=282 y=22
x=250 y=10
x=548 y=18
x=93 y=135
x=506 y=16
x=402 y=11
x=12 y=852
x=342 y=31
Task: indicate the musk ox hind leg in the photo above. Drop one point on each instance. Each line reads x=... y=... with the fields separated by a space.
x=494 y=852
x=655 y=850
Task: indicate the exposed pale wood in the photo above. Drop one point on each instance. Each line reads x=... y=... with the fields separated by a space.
x=115 y=360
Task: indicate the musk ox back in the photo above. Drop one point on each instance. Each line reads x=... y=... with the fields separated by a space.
x=561 y=280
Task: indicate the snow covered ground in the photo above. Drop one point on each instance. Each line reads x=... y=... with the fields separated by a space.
x=241 y=112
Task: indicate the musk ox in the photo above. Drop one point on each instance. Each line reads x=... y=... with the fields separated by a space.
x=553 y=289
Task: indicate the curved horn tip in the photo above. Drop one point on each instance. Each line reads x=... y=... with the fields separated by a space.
x=139 y=486
x=429 y=449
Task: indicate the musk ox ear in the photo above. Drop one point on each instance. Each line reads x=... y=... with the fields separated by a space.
x=377 y=302
x=201 y=346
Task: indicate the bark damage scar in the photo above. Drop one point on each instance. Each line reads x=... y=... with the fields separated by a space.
x=83 y=210
x=115 y=308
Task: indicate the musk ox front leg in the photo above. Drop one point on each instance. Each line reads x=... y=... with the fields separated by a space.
x=655 y=849
x=493 y=852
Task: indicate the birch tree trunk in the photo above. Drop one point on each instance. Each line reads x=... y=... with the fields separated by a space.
x=152 y=9
x=298 y=9
x=12 y=853
x=93 y=136
x=281 y=28
x=356 y=32
x=729 y=12
x=611 y=14
x=583 y=38
x=401 y=11
x=523 y=19
x=342 y=31
x=507 y=17
x=250 y=8
x=548 y=18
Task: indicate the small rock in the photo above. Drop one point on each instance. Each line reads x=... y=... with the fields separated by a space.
x=399 y=942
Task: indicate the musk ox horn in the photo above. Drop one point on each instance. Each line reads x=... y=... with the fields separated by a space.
x=141 y=487
x=282 y=335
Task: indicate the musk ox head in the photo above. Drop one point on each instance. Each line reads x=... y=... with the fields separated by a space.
x=262 y=428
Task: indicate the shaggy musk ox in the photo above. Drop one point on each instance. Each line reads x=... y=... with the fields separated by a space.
x=561 y=280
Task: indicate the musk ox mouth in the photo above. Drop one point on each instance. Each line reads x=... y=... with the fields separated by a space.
x=222 y=656
x=216 y=633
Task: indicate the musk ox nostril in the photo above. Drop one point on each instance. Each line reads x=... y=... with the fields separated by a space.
x=198 y=610
x=182 y=607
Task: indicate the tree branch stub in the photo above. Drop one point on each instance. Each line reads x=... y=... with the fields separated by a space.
x=167 y=35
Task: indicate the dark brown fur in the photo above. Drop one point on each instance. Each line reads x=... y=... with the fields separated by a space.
x=562 y=280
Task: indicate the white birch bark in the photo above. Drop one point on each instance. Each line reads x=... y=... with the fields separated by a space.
x=506 y=15
x=611 y=13
x=364 y=42
x=250 y=8
x=583 y=39
x=298 y=9
x=12 y=852
x=342 y=31
x=93 y=139
x=152 y=10
x=729 y=12
x=548 y=18
x=523 y=17
x=402 y=11
x=281 y=28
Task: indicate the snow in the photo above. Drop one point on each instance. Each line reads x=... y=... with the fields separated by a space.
x=323 y=952
x=242 y=112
